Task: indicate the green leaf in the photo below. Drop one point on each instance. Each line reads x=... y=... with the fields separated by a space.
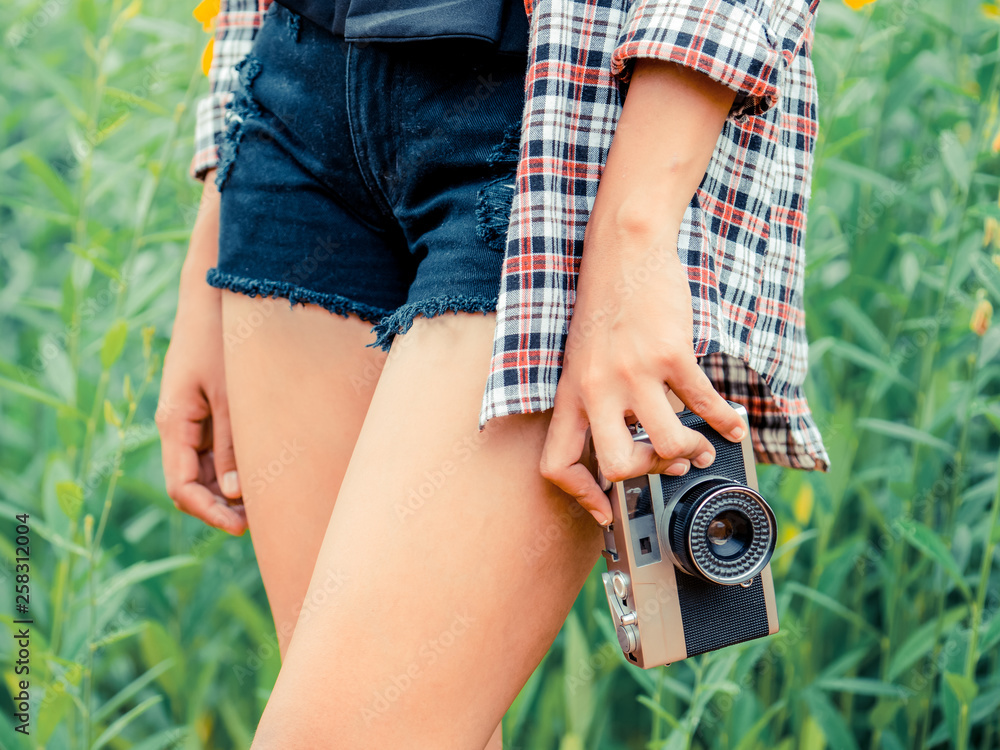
x=131 y=100
x=748 y=739
x=863 y=686
x=141 y=571
x=928 y=542
x=659 y=710
x=171 y=738
x=988 y=274
x=955 y=160
x=87 y=11
x=909 y=272
x=985 y=705
x=905 y=432
x=91 y=257
x=883 y=713
x=922 y=640
x=849 y=311
x=838 y=734
x=114 y=343
x=158 y=645
x=869 y=361
x=70 y=497
x=52 y=181
x=991 y=633
x=831 y=605
x=36 y=394
x=863 y=175
x=964 y=688
x=131 y=690
x=118 y=726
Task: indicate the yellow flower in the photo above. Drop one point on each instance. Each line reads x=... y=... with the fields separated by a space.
x=803 y=505
x=981 y=317
x=991 y=231
x=206 y=56
x=205 y=14
x=786 y=532
x=857 y=4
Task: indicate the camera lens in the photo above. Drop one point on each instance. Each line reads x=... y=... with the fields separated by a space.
x=719 y=530
x=730 y=534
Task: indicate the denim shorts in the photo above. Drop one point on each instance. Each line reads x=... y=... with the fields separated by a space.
x=373 y=179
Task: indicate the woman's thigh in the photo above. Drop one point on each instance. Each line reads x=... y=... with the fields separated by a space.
x=447 y=568
x=299 y=380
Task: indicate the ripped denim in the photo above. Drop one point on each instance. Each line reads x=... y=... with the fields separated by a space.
x=371 y=179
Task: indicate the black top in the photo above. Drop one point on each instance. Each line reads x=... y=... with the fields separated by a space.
x=501 y=23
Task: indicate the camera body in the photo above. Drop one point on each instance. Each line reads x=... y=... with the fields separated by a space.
x=688 y=557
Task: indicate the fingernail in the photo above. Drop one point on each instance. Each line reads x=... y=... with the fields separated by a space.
x=737 y=434
x=231 y=483
x=704 y=460
x=600 y=517
x=679 y=468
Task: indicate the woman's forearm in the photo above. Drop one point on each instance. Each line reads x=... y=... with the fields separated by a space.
x=662 y=145
x=203 y=249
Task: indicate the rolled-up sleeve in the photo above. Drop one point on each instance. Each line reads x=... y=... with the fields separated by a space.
x=744 y=44
x=236 y=27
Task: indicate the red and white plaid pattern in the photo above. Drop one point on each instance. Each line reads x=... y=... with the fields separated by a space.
x=742 y=235
x=235 y=29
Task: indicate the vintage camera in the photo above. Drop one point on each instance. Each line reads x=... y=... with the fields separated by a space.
x=689 y=557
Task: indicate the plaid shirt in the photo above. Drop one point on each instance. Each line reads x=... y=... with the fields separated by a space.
x=742 y=234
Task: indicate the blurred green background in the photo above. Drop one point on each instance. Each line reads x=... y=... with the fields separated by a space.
x=151 y=630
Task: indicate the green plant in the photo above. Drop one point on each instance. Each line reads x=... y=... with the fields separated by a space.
x=151 y=630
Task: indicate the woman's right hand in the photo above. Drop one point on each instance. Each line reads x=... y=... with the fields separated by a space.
x=630 y=343
x=192 y=415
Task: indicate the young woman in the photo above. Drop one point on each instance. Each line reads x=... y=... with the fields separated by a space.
x=618 y=209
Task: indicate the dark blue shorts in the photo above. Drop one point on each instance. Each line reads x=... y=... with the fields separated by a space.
x=372 y=179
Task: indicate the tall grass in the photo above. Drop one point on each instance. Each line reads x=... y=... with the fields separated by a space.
x=152 y=630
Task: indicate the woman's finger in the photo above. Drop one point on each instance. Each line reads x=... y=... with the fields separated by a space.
x=617 y=454
x=560 y=461
x=695 y=389
x=180 y=440
x=676 y=446
x=197 y=500
x=222 y=448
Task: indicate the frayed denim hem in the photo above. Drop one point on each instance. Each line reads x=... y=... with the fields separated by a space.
x=401 y=320
x=295 y=295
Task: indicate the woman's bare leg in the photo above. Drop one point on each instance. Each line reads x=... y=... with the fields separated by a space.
x=299 y=382
x=447 y=568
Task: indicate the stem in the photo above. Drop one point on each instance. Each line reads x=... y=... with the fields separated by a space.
x=972 y=655
x=657 y=697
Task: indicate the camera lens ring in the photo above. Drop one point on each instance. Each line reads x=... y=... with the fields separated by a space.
x=745 y=501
